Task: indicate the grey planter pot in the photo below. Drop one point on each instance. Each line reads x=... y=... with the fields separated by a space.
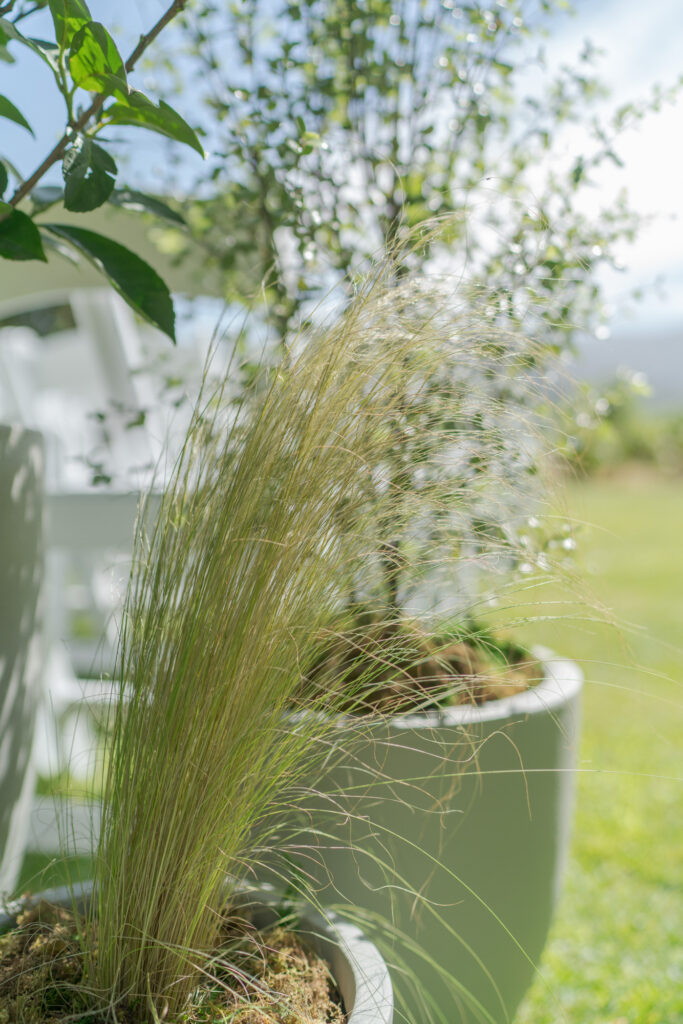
x=471 y=808
x=355 y=963
x=21 y=571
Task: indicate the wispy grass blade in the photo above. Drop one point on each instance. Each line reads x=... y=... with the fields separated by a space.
x=333 y=483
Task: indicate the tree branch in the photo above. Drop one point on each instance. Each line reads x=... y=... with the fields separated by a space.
x=77 y=126
x=176 y=7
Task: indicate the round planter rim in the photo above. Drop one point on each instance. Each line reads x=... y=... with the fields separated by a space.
x=336 y=939
x=562 y=682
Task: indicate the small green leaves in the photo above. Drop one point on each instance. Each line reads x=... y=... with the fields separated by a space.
x=68 y=17
x=47 y=52
x=5 y=56
x=89 y=174
x=19 y=237
x=8 y=110
x=138 y=110
x=95 y=62
x=137 y=282
x=4 y=179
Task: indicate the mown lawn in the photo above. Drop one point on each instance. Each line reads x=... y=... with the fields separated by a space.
x=41 y=871
x=615 y=954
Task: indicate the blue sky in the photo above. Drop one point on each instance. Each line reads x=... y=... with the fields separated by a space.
x=643 y=44
x=30 y=85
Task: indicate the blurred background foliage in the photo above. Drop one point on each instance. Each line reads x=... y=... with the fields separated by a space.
x=333 y=127
x=618 y=431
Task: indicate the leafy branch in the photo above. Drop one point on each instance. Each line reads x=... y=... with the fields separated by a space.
x=77 y=126
x=85 y=56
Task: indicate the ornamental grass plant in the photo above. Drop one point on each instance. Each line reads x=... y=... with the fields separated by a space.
x=391 y=452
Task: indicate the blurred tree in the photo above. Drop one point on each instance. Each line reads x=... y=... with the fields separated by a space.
x=333 y=125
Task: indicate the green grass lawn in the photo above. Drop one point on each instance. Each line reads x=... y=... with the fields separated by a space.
x=40 y=871
x=615 y=954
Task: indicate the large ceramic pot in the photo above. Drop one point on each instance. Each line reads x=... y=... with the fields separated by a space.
x=356 y=965
x=21 y=571
x=451 y=829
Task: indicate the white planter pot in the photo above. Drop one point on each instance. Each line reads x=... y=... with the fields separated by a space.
x=21 y=571
x=355 y=963
x=472 y=807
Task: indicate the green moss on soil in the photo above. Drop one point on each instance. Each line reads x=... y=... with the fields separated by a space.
x=398 y=669
x=256 y=978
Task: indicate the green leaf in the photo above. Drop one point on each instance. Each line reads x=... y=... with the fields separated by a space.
x=4 y=178
x=5 y=55
x=138 y=110
x=8 y=110
x=129 y=199
x=95 y=62
x=137 y=282
x=68 y=16
x=90 y=175
x=19 y=237
x=137 y=421
x=47 y=51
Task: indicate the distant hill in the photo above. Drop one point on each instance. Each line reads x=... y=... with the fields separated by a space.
x=658 y=353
